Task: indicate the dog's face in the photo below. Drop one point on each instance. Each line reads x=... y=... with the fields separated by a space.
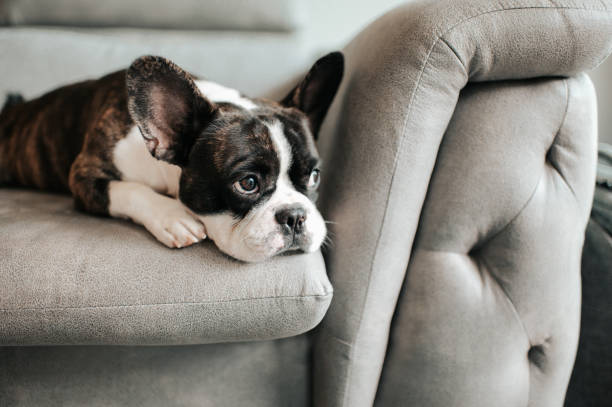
x=254 y=175
x=250 y=169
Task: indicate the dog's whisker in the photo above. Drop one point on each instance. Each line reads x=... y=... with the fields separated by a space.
x=328 y=241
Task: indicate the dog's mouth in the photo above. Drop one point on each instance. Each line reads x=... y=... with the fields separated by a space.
x=297 y=242
x=255 y=239
x=278 y=243
x=291 y=251
x=292 y=248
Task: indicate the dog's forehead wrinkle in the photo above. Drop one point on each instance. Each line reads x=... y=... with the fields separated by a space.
x=237 y=135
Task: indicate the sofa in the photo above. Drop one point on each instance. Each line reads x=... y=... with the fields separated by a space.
x=459 y=173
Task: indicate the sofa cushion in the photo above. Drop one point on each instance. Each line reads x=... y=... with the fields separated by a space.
x=71 y=278
x=276 y=15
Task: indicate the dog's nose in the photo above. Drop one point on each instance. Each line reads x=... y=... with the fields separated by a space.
x=291 y=219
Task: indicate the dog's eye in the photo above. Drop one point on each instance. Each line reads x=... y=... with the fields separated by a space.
x=247 y=185
x=313 y=181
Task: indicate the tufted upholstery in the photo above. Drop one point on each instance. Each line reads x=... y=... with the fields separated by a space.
x=458 y=210
x=492 y=293
x=403 y=78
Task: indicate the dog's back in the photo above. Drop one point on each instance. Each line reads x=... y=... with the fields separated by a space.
x=40 y=138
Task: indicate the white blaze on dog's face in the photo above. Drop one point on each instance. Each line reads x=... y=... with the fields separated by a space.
x=250 y=169
x=286 y=220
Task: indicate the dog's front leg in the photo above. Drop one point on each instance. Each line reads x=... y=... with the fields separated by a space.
x=166 y=218
x=97 y=188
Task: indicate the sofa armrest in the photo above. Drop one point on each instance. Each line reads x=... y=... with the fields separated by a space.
x=74 y=279
x=492 y=290
x=403 y=77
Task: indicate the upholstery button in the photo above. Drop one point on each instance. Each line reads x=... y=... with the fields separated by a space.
x=537 y=355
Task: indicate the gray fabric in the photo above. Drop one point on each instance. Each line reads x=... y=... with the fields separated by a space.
x=36 y=60
x=273 y=15
x=380 y=143
x=255 y=374
x=403 y=77
x=71 y=278
x=491 y=302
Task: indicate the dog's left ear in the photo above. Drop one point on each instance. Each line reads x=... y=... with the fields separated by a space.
x=167 y=106
x=315 y=93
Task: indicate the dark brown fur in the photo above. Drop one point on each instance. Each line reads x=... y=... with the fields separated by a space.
x=62 y=141
x=65 y=139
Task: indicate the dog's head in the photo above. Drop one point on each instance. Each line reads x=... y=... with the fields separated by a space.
x=250 y=168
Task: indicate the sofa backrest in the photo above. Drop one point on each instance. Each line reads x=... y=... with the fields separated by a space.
x=404 y=74
x=273 y=15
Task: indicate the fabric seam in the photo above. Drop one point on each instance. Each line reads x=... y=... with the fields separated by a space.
x=398 y=153
x=561 y=126
x=288 y=297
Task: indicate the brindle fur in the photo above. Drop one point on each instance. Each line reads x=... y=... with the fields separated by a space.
x=65 y=139
x=62 y=141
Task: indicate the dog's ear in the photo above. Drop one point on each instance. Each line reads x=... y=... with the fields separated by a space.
x=315 y=93
x=167 y=106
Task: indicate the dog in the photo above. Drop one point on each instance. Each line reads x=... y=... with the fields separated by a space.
x=186 y=158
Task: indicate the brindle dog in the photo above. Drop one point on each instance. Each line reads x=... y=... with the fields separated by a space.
x=245 y=171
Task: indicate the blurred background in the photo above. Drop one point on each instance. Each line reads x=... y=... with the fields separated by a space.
x=259 y=47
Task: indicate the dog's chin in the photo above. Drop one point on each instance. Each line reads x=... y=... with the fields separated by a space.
x=255 y=242
x=255 y=251
x=252 y=251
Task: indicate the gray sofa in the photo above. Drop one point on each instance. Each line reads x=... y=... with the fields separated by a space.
x=460 y=170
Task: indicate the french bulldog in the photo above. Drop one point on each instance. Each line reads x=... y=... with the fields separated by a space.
x=186 y=158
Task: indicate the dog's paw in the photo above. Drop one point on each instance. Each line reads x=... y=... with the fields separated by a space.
x=174 y=226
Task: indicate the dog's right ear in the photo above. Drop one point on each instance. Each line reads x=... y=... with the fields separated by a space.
x=167 y=106
x=315 y=93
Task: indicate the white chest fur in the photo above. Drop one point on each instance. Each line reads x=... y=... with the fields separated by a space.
x=136 y=164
